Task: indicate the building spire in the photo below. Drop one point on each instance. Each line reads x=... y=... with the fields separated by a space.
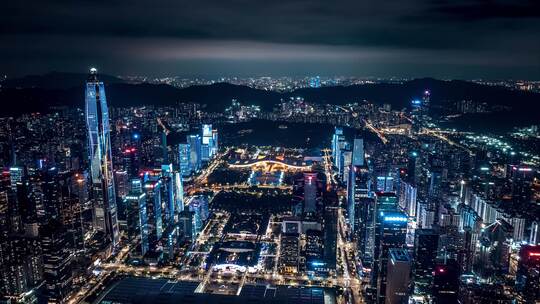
x=93 y=75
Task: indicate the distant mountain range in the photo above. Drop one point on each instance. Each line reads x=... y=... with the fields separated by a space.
x=55 y=80
x=39 y=93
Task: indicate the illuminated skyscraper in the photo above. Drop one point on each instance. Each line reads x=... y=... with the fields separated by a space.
x=100 y=158
x=168 y=188
x=178 y=192
x=426 y=242
x=344 y=151
x=16 y=176
x=186 y=222
x=330 y=237
x=407 y=198
x=199 y=206
x=534 y=237
x=347 y=161
x=358 y=152
x=310 y=192
x=385 y=183
x=207 y=142
x=184 y=153
x=357 y=188
x=398 y=268
x=137 y=218
x=154 y=207
x=195 y=152
x=336 y=139
x=131 y=161
x=389 y=232
x=215 y=143
x=57 y=267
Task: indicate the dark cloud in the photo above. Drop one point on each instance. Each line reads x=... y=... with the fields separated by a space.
x=475 y=10
x=461 y=38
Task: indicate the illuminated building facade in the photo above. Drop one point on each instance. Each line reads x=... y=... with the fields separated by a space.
x=399 y=268
x=100 y=158
x=390 y=232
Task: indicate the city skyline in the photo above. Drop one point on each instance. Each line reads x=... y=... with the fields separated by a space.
x=361 y=202
x=298 y=151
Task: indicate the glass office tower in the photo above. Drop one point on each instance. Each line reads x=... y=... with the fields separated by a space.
x=99 y=156
x=195 y=152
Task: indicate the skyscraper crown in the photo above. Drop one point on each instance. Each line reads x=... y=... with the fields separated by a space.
x=93 y=75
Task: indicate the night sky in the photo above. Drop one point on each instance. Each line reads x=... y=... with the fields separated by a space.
x=465 y=39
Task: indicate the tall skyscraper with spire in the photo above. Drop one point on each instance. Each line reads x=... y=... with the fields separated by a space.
x=100 y=158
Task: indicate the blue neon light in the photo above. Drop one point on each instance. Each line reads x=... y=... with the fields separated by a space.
x=395 y=219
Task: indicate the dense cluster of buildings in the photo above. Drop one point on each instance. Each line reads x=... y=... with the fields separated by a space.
x=413 y=214
x=79 y=185
x=279 y=84
x=438 y=222
x=308 y=238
